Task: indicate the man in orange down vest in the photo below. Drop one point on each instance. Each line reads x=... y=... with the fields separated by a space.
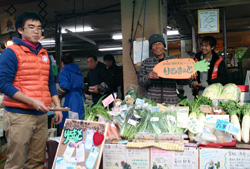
x=28 y=85
x=217 y=72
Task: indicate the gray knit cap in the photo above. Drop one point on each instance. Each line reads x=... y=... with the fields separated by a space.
x=156 y=38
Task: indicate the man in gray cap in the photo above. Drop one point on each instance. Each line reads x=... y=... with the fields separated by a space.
x=158 y=89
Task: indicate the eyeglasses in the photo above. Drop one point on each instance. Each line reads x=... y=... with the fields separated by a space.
x=33 y=28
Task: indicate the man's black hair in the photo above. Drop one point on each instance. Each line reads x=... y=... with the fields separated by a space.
x=67 y=58
x=92 y=56
x=210 y=39
x=23 y=17
x=109 y=57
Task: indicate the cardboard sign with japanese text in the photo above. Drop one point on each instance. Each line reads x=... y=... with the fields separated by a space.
x=175 y=68
x=81 y=145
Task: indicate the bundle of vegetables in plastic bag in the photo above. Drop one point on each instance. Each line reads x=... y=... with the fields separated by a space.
x=131 y=94
x=136 y=120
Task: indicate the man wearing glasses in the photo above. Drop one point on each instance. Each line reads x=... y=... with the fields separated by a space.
x=28 y=85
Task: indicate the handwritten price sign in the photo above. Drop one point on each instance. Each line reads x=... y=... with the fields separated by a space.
x=232 y=129
x=193 y=125
x=227 y=127
x=221 y=125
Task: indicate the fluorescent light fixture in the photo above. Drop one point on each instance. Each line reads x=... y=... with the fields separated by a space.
x=109 y=49
x=47 y=41
x=81 y=37
x=78 y=29
x=117 y=37
x=173 y=32
x=168 y=27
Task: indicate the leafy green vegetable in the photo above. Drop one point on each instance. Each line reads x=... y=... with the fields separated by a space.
x=168 y=123
x=213 y=91
x=231 y=107
x=127 y=129
x=153 y=124
x=93 y=110
x=194 y=105
x=231 y=92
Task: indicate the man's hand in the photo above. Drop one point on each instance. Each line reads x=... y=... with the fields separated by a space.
x=153 y=75
x=196 y=85
x=58 y=117
x=39 y=105
x=193 y=76
x=93 y=89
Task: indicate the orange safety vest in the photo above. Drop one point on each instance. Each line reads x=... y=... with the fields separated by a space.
x=216 y=67
x=32 y=76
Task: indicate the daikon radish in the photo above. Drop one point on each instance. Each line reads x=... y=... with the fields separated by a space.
x=245 y=128
x=201 y=120
x=235 y=121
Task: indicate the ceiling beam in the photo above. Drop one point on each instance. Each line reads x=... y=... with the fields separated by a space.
x=14 y=2
x=63 y=17
x=214 y=4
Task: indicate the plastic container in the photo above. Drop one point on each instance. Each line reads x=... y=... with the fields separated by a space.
x=243 y=88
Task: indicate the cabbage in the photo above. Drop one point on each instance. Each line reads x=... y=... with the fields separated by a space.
x=231 y=92
x=213 y=91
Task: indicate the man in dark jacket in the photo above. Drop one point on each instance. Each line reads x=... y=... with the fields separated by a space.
x=158 y=89
x=217 y=72
x=98 y=79
x=116 y=75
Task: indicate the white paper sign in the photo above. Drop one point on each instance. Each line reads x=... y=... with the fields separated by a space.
x=174 y=159
x=132 y=122
x=224 y=158
x=232 y=129
x=63 y=164
x=113 y=155
x=208 y=21
x=139 y=56
x=182 y=116
x=138 y=158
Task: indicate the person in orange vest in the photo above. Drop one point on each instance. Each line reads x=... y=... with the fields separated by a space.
x=28 y=85
x=217 y=72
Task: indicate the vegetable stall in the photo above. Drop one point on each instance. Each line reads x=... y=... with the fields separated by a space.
x=215 y=119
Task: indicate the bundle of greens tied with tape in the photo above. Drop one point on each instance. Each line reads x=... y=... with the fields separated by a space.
x=164 y=123
x=94 y=110
x=140 y=117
